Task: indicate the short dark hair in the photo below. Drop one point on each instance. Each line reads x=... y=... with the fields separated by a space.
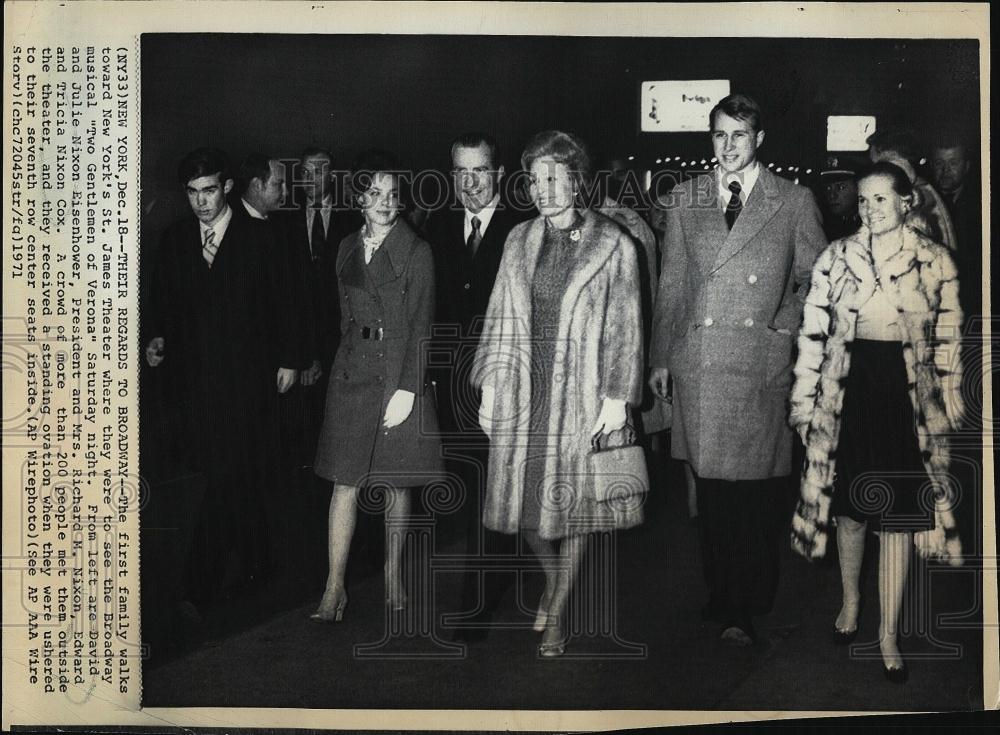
x=316 y=151
x=950 y=139
x=738 y=107
x=562 y=147
x=474 y=140
x=377 y=161
x=204 y=162
x=901 y=183
x=254 y=166
x=899 y=141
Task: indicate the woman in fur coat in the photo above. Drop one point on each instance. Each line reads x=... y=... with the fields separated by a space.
x=559 y=362
x=878 y=387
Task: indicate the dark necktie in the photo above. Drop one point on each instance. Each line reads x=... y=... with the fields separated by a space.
x=735 y=205
x=318 y=237
x=475 y=237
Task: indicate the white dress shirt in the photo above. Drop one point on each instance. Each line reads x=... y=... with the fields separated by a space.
x=219 y=228
x=485 y=215
x=746 y=177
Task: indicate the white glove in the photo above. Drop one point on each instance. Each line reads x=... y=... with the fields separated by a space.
x=613 y=417
x=486 y=410
x=399 y=408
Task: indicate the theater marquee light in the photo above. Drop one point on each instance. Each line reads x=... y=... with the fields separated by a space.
x=679 y=106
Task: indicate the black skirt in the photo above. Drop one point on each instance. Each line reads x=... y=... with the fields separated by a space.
x=880 y=477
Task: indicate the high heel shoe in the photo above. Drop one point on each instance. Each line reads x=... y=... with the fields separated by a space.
x=553 y=641
x=896 y=675
x=333 y=612
x=396 y=605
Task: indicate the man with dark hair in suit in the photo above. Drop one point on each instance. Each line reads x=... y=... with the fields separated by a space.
x=468 y=242
x=739 y=246
x=263 y=189
x=217 y=326
x=959 y=185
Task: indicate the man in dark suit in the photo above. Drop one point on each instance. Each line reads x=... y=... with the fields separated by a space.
x=468 y=241
x=216 y=322
x=739 y=246
x=959 y=185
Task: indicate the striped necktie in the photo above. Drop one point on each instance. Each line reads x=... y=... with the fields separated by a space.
x=210 y=248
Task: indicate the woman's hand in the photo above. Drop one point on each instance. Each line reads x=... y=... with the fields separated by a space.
x=486 y=410
x=399 y=408
x=613 y=417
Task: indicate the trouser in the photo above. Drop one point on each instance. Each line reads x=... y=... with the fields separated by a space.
x=740 y=526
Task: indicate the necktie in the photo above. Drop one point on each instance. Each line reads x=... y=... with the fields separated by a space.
x=735 y=204
x=475 y=237
x=210 y=248
x=318 y=236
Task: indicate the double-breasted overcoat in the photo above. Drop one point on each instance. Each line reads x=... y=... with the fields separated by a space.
x=387 y=308
x=727 y=307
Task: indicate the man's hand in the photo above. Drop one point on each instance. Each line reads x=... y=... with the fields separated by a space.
x=399 y=408
x=658 y=379
x=310 y=375
x=486 y=410
x=613 y=417
x=286 y=379
x=154 y=351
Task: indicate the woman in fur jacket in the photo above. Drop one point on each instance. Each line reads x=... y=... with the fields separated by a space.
x=876 y=394
x=559 y=363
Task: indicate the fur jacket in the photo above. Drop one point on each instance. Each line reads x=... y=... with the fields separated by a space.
x=598 y=355
x=922 y=282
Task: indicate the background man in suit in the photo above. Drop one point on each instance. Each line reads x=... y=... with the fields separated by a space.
x=217 y=324
x=739 y=246
x=959 y=184
x=468 y=243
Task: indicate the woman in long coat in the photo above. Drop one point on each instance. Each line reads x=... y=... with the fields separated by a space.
x=560 y=361
x=876 y=394
x=380 y=428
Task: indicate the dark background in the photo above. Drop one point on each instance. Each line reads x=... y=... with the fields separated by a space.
x=412 y=94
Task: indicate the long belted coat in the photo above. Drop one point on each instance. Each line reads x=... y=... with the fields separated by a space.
x=922 y=283
x=392 y=296
x=727 y=306
x=598 y=356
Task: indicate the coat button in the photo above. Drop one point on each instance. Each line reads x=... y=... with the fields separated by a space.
x=748 y=323
x=468 y=286
x=752 y=278
x=708 y=321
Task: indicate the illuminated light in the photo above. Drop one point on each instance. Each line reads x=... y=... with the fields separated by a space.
x=796 y=179
x=809 y=170
x=631 y=158
x=777 y=170
x=648 y=179
x=923 y=161
x=714 y=159
x=703 y=162
x=683 y=164
x=770 y=165
x=659 y=160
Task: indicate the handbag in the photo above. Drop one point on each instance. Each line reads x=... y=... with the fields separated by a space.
x=618 y=466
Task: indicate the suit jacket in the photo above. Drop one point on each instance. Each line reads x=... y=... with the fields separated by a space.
x=727 y=308
x=464 y=281
x=224 y=339
x=464 y=285
x=313 y=270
